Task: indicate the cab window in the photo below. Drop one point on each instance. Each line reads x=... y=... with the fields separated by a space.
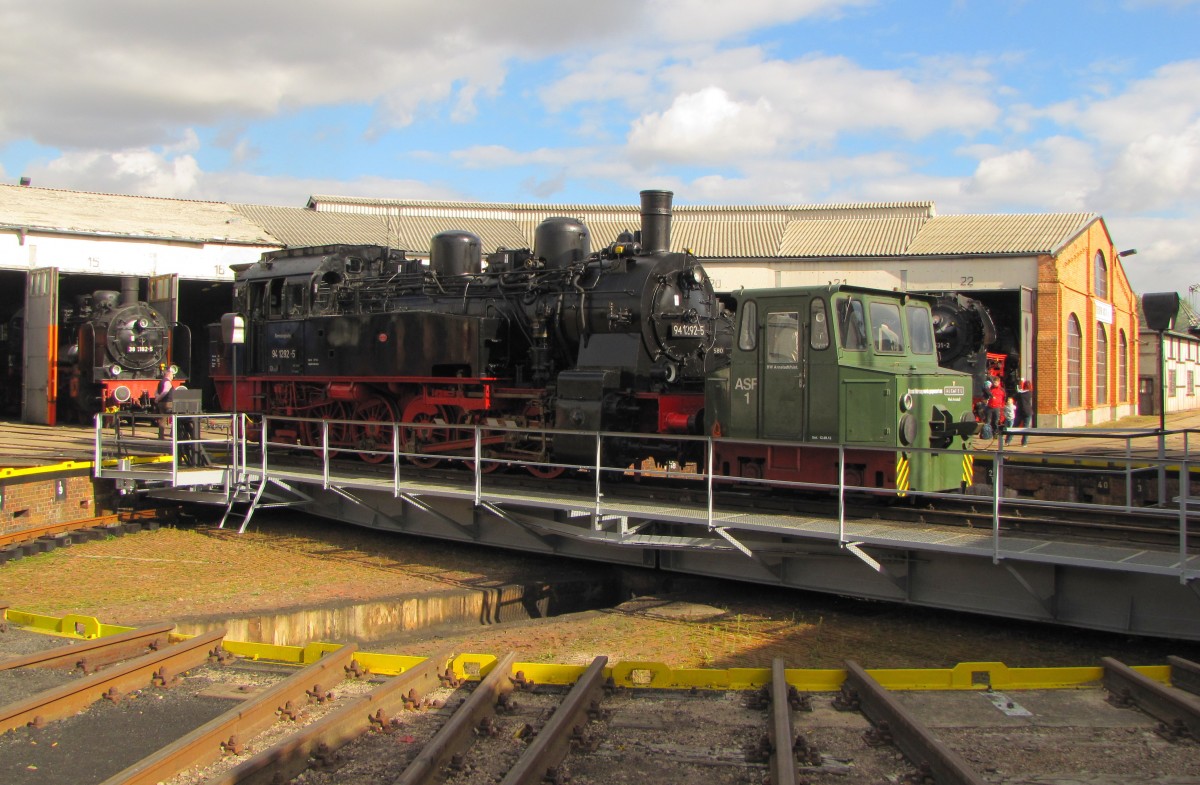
x=294 y=296
x=748 y=332
x=275 y=297
x=920 y=329
x=783 y=337
x=852 y=324
x=818 y=335
x=885 y=321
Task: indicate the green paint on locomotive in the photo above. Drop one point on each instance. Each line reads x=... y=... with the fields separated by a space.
x=842 y=365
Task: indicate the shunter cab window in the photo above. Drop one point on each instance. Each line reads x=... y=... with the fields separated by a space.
x=748 y=332
x=818 y=333
x=852 y=324
x=783 y=337
x=885 y=319
x=920 y=329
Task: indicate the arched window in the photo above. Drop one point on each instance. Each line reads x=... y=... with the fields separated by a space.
x=1101 y=275
x=1122 y=367
x=1074 y=362
x=1101 y=364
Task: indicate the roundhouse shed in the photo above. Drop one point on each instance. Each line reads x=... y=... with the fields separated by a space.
x=1053 y=283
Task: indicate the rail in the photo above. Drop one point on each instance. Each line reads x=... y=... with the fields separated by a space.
x=911 y=736
x=67 y=699
x=289 y=757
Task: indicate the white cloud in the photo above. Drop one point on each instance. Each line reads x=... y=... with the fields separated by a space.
x=1166 y=251
x=707 y=126
x=76 y=73
x=1157 y=172
x=1167 y=101
x=727 y=105
x=712 y=20
x=173 y=172
x=1058 y=173
x=142 y=172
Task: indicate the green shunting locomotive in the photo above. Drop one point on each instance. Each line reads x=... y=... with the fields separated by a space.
x=840 y=365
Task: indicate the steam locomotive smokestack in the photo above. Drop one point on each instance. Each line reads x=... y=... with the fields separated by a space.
x=129 y=290
x=656 y=221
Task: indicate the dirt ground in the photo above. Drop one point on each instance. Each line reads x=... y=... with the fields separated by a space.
x=191 y=570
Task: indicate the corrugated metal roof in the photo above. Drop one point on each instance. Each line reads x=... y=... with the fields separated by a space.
x=79 y=212
x=873 y=228
x=494 y=233
x=297 y=227
x=324 y=203
x=998 y=234
x=729 y=238
x=849 y=237
x=721 y=231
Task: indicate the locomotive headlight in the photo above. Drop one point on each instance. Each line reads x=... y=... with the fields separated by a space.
x=174 y=370
x=906 y=402
x=114 y=369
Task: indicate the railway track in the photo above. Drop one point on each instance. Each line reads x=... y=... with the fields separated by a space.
x=147 y=707
x=28 y=542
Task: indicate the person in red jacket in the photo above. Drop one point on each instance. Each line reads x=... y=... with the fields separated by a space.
x=996 y=406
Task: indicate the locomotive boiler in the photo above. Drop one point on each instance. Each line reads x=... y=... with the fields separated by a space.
x=555 y=337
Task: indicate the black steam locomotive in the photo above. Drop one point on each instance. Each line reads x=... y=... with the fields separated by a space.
x=969 y=340
x=342 y=341
x=623 y=339
x=113 y=349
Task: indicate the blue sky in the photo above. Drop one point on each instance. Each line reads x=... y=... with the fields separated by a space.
x=981 y=107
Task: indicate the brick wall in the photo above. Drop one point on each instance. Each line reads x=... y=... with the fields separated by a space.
x=44 y=500
x=1066 y=286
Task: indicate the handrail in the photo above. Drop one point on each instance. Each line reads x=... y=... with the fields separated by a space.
x=399 y=451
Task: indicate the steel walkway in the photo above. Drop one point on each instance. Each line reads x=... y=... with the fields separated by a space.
x=1108 y=586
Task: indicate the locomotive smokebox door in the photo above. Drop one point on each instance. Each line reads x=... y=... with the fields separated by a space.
x=580 y=408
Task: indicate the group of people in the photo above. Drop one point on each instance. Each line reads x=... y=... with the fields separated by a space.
x=1005 y=411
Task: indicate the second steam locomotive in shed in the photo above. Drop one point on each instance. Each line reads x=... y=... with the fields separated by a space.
x=110 y=352
x=115 y=350
x=539 y=350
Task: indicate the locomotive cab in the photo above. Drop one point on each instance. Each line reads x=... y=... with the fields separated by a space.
x=840 y=365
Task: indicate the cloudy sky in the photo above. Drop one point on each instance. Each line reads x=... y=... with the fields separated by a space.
x=1001 y=106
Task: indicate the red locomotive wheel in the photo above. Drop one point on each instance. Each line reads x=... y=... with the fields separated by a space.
x=423 y=439
x=373 y=432
x=471 y=418
x=335 y=413
x=545 y=472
